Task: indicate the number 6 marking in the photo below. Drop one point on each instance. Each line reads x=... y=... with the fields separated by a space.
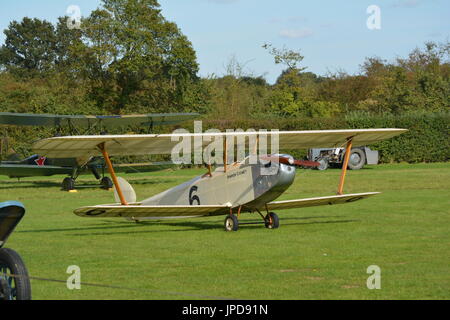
x=193 y=198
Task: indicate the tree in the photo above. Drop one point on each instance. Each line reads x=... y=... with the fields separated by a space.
x=30 y=47
x=136 y=58
x=69 y=46
x=419 y=82
x=289 y=58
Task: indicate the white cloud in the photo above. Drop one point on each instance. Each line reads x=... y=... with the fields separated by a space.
x=296 y=33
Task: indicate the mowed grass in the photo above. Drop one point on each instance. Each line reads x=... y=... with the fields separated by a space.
x=317 y=253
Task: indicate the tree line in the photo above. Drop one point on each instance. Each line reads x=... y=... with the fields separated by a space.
x=127 y=58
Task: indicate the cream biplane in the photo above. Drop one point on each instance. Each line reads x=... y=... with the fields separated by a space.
x=230 y=189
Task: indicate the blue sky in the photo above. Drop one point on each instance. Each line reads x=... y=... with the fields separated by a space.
x=331 y=34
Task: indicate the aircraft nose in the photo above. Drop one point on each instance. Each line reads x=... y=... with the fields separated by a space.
x=286 y=175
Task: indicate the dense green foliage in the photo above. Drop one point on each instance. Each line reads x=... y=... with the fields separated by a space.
x=428 y=138
x=127 y=58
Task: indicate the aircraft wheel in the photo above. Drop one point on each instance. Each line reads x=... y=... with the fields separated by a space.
x=231 y=223
x=68 y=184
x=106 y=183
x=271 y=221
x=13 y=287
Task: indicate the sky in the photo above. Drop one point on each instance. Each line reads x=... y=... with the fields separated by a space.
x=332 y=35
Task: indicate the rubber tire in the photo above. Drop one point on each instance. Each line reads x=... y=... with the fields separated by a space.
x=68 y=184
x=12 y=260
x=106 y=183
x=275 y=221
x=231 y=223
x=323 y=164
x=362 y=161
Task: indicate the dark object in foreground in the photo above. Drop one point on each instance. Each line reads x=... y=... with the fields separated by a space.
x=14 y=280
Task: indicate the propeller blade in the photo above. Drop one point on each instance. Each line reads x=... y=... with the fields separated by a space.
x=306 y=163
x=291 y=161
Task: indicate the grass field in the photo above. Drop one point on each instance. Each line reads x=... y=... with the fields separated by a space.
x=317 y=253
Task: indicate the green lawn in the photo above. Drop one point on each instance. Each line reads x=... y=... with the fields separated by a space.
x=317 y=253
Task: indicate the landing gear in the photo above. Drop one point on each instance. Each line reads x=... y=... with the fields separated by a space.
x=231 y=223
x=106 y=183
x=271 y=221
x=14 y=280
x=68 y=184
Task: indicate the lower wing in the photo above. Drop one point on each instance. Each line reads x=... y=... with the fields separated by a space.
x=319 y=201
x=143 y=211
x=28 y=170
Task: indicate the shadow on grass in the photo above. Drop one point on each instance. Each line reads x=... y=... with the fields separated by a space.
x=27 y=184
x=102 y=227
x=151 y=181
x=185 y=226
x=44 y=184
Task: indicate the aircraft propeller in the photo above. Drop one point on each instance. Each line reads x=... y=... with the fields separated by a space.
x=289 y=160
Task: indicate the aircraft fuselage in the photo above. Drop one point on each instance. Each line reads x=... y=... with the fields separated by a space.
x=247 y=185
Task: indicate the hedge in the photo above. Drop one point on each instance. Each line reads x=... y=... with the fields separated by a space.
x=427 y=140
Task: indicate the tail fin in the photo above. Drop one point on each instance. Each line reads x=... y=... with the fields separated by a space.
x=127 y=190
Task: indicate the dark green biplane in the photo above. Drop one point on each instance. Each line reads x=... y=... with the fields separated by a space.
x=36 y=165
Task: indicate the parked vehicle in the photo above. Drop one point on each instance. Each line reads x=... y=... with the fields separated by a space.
x=359 y=157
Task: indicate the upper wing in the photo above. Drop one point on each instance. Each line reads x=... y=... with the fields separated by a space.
x=86 y=146
x=140 y=211
x=152 y=119
x=319 y=201
x=147 y=120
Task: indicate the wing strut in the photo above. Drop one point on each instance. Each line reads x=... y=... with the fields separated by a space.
x=225 y=154
x=348 y=150
x=111 y=171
